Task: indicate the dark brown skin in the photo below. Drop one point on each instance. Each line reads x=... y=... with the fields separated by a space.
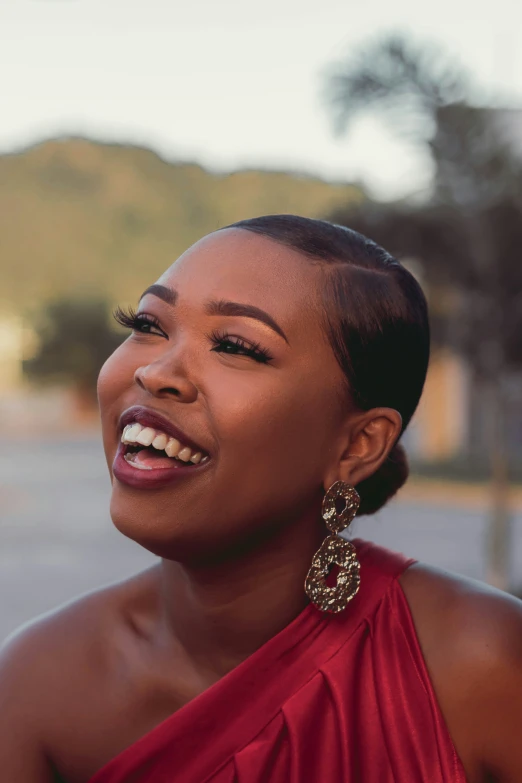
x=82 y=684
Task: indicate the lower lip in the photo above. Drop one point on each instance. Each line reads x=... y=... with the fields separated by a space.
x=151 y=479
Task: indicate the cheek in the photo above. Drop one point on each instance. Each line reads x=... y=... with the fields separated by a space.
x=113 y=380
x=110 y=379
x=278 y=429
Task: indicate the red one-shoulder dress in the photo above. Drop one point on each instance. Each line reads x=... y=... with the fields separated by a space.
x=340 y=698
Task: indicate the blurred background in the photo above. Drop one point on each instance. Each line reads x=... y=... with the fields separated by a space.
x=131 y=129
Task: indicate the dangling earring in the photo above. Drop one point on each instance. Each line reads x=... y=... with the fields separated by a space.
x=335 y=550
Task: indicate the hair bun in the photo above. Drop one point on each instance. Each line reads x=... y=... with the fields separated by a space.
x=382 y=485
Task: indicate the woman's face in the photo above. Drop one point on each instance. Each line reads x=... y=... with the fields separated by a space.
x=261 y=400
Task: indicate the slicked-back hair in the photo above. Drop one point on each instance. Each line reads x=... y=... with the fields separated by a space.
x=376 y=320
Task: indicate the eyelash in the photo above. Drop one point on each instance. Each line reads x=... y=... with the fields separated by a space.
x=239 y=347
x=129 y=319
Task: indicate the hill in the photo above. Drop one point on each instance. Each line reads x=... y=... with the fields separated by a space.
x=81 y=217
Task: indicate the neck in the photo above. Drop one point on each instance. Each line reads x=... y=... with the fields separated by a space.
x=221 y=614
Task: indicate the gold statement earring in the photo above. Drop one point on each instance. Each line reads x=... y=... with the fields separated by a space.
x=335 y=551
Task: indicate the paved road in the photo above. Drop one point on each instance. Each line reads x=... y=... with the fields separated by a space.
x=57 y=540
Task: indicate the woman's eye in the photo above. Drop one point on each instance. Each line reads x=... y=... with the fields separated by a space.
x=237 y=346
x=144 y=325
x=138 y=322
x=229 y=347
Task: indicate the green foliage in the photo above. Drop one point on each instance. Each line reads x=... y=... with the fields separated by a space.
x=75 y=339
x=81 y=218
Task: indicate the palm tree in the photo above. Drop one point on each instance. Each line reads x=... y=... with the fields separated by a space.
x=467 y=234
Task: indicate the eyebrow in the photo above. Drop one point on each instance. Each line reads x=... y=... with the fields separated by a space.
x=167 y=294
x=220 y=307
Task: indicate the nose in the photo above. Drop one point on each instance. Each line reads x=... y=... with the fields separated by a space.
x=165 y=377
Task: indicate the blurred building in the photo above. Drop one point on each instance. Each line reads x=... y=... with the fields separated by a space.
x=441 y=426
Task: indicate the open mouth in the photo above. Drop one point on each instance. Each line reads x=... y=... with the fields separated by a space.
x=146 y=448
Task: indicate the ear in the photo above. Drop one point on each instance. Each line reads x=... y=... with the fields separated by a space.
x=367 y=439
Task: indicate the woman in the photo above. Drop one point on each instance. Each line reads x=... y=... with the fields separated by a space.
x=254 y=410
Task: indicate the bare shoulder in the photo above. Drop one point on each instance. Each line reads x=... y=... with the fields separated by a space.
x=49 y=665
x=471 y=638
x=44 y=644
x=468 y=616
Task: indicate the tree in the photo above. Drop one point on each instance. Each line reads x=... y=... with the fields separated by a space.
x=467 y=235
x=75 y=338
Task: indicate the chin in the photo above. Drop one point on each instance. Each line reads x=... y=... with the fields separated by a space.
x=164 y=534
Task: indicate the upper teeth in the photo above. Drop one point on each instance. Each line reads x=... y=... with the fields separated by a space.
x=147 y=436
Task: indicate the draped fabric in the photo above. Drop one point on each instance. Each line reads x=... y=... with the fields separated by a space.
x=342 y=698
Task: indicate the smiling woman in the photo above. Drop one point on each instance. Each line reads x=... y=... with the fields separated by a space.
x=254 y=410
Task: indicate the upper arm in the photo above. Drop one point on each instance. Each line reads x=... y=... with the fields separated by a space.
x=471 y=637
x=495 y=688
x=22 y=748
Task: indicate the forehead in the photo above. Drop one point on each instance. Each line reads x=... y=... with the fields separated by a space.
x=244 y=267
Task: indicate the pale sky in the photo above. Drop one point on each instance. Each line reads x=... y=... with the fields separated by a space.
x=229 y=83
